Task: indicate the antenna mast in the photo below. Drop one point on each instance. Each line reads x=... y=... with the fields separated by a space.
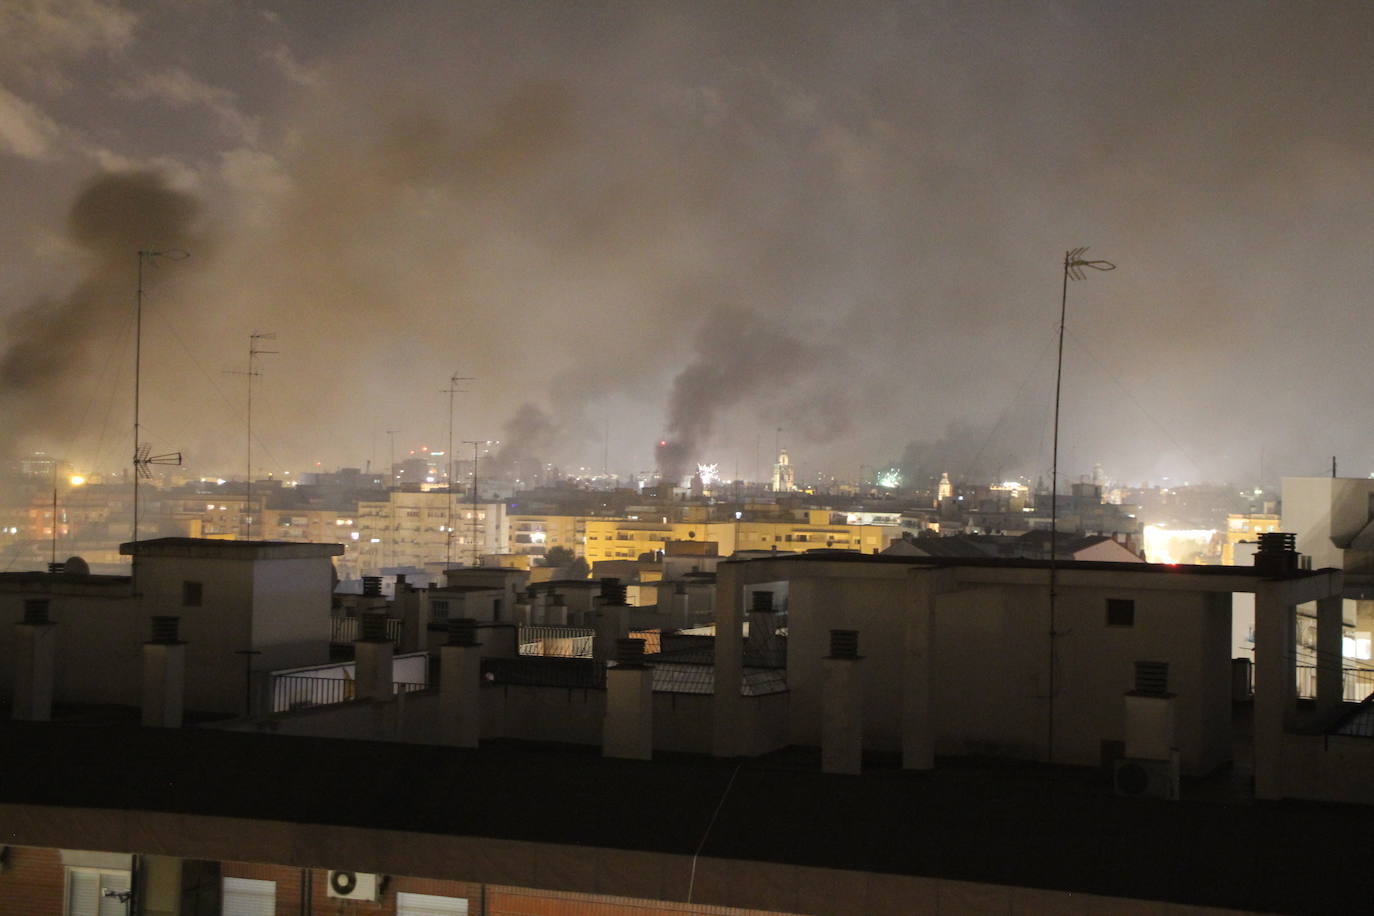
x=141 y=457
x=474 y=444
x=254 y=351
x=1073 y=270
x=452 y=389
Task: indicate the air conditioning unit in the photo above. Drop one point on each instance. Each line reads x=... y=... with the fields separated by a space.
x=1136 y=778
x=353 y=885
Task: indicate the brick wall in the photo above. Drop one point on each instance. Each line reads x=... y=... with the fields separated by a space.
x=31 y=883
x=289 y=890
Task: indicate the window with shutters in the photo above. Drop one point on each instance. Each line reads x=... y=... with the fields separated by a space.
x=430 y=905
x=86 y=892
x=248 y=897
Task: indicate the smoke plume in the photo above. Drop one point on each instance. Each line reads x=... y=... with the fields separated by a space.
x=739 y=356
x=55 y=343
x=529 y=436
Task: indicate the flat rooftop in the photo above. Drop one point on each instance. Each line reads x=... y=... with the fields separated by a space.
x=824 y=555
x=1024 y=825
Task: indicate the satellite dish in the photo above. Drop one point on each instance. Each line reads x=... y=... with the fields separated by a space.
x=76 y=566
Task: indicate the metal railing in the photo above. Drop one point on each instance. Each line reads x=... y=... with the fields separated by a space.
x=295 y=692
x=1357 y=683
x=344 y=630
x=560 y=642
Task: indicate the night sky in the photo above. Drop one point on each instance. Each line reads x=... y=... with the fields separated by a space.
x=699 y=221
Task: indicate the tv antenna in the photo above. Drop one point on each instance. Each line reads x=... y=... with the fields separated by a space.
x=454 y=387
x=142 y=458
x=254 y=351
x=475 y=443
x=1074 y=264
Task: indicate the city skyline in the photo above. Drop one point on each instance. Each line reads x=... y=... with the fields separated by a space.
x=717 y=221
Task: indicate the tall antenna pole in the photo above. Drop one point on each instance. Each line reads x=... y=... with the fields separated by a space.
x=141 y=458
x=474 y=444
x=1073 y=269
x=452 y=389
x=254 y=351
x=389 y=551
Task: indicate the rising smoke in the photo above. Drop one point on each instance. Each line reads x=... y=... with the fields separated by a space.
x=738 y=356
x=55 y=344
x=551 y=208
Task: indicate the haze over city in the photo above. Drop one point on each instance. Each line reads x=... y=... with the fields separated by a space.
x=695 y=223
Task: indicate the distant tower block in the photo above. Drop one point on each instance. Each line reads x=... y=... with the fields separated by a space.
x=946 y=490
x=784 y=475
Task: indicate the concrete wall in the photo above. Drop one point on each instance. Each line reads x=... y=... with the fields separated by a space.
x=874 y=607
x=543 y=713
x=682 y=722
x=291 y=625
x=1328 y=768
x=1324 y=512
x=100 y=638
x=990 y=658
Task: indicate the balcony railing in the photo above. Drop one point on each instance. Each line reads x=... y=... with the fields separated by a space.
x=344 y=630
x=561 y=642
x=1357 y=683
x=297 y=692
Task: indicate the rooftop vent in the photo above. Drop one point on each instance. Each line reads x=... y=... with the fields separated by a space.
x=612 y=592
x=1152 y=678
x=36 y=611
x=844 y=643
x=462 y=631
x=372 y=586
x=374 y=627
x=165 y=630
x=1277 y=554
x=629 y=651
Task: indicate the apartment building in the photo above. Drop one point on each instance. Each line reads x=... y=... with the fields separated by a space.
x=415 y=528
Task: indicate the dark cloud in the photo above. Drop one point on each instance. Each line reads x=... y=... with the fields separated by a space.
x=53 y=344
x=554 y=198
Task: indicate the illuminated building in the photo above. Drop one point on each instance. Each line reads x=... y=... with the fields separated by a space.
x=619 y=539
x=411 y=529
x=1244 y=528
x=784 y=475
x=946 y=489
x=533 y=535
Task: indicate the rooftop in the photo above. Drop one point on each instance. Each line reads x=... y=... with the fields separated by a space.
x=1163 y=569
x=1035 y=826
x=210 y=548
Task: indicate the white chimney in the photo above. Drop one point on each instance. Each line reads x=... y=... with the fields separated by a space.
x=842 y=706
x=164 y=675
x=681 y=607
x=555 y=610
x=1150 y=726
x=460 y=685
x=372 y=654
x=35 y=644
x=414 y=628
x=628 y=729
